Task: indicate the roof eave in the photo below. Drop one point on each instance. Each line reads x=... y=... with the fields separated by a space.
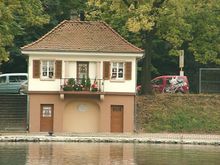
x=83 y=53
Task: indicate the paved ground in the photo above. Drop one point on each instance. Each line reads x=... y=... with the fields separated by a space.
x=110 y=137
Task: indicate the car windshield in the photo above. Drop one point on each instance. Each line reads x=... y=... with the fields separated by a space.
x=157 y=81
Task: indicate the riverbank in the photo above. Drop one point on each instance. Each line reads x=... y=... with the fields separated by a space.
x=168 y=138
x=178 y=113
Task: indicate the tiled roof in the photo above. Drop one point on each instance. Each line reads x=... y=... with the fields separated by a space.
x=82 y=36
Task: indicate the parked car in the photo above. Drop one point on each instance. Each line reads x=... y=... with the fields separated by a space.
x=24 y=88
x=169 y=84
x=11 y=82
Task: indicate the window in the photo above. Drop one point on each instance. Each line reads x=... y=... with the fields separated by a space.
x=117 y=70
x=47 y=69
x=17 y=78
x=46 y=111
x=82 y=69
x=3 y=79
x=117 y=108
x=157 y=82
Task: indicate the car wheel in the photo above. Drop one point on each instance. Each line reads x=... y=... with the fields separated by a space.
x=179 y=92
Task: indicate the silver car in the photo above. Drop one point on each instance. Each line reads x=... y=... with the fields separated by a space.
x=11 y=82
x=24 y=88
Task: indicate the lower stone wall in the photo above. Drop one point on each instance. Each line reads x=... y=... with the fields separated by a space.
x=118 y=138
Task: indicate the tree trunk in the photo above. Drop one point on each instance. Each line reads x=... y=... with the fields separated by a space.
x=146 y=88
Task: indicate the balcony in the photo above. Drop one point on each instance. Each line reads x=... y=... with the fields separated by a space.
x=81 y=86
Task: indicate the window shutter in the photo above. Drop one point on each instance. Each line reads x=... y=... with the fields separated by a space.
x=128 y=69
x=58 y=69
x=106 y=70
x=36 y=68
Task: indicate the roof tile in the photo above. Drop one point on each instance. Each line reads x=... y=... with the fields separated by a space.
x=83 y=36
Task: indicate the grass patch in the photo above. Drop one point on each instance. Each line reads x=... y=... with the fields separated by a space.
x=179 y=114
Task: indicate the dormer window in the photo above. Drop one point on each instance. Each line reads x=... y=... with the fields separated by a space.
x=47 y=69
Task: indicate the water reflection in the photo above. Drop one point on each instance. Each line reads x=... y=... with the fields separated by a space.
x=106 y=153
x=177 y=154
x=80 y=153
x=13 y=154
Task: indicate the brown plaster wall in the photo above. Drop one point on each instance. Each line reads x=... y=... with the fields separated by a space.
x=59 y=106
x=127 y=101
x=81 y=116
x=34 y=107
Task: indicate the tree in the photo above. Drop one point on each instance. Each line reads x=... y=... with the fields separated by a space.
x=195 y=27
x=139 y=17
x=59 y=10
x=178 y=23
x=24 y=21
x=16 y=17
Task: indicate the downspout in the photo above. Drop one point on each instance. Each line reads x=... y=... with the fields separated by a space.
x=135 y=106
x=28 y=101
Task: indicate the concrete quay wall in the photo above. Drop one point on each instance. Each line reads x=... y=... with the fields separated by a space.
x=197 y=139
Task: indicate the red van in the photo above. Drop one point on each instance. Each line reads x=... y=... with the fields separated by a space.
x=169 y=84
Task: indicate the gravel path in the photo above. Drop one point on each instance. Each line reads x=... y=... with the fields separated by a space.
x=170 y=138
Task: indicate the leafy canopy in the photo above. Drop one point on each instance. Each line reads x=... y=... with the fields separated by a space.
x=15 y=17
x=191 y=25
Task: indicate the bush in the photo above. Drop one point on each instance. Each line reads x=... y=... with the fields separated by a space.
x=70 y=85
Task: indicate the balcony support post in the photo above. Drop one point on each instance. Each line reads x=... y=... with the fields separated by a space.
x=62 y=96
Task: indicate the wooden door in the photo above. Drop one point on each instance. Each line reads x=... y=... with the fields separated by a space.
x=46 y=118
x=117 y=118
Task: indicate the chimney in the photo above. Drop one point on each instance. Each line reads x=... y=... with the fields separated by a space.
x=81 y=15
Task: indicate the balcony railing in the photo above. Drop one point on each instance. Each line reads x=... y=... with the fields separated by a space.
x=81 y=84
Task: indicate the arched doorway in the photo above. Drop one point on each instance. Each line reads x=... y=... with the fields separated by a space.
x=81 y=117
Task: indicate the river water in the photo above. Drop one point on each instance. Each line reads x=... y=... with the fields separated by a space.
x=56 y=153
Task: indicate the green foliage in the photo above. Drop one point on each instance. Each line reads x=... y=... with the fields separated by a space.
x=162 y=28
x=184 y=119
x=71 y=82
x=187 y=114
x=140 y=17
x=24 y=21
x=193 y=26
x=69 y=86
x=183 y=24
x=16 y=16
x=206 y=32
x=59 y=10
x=88 y=82
x=83 y=81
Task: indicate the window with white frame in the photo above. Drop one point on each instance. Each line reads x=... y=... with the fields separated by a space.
x=117 y=70
x=47 y=69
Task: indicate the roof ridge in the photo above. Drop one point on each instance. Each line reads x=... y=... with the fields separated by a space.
x=45 y=35
x=120 y=36
x=124 y=44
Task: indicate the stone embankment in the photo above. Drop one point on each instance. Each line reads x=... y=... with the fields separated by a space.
x=198 y=139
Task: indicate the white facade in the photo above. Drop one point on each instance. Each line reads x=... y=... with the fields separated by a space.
x=69 y=70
